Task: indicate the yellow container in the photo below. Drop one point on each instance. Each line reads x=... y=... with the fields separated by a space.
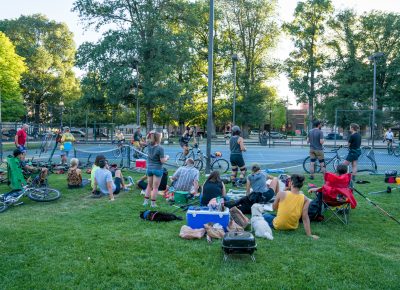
x=398 y=180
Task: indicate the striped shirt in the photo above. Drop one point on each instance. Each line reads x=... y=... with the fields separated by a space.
x=185 y=177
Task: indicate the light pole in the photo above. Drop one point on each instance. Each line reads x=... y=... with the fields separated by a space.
x=61 y=104
x=234 y=60
x=136 y=65
x=373 y=58
x=210 y=82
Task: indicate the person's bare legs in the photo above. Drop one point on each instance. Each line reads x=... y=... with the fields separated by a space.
x=156 y=184
x=322 y=165
x=354 y=168
x=274 y=185
x=149 y=189
x=234 y=173
x=312 y=168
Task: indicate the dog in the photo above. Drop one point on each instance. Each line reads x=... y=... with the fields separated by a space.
x=158 y=216
x=258 y=223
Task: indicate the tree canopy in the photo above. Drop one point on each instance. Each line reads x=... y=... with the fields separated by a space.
x=11 y=67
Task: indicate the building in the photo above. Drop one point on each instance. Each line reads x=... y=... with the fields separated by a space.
x=297 y=118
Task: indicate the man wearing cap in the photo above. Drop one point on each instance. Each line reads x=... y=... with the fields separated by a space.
x=66 y=144
x=20 y=138
x=137 y=140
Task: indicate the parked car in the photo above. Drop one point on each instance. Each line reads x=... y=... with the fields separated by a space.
x=78 y=133
x=331 y=136
x=254 y=132
x=277 y=135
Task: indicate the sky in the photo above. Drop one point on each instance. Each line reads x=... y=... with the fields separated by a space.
x=60 y=10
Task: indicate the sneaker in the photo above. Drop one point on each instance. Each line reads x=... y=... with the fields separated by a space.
x=146 y=202
x=153 y=205
x=143 y=192
x=312 y=177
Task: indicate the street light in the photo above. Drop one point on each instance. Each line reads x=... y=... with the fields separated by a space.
x=61 y=104
x=373 y=58
x=234 y=60
x=136 y=65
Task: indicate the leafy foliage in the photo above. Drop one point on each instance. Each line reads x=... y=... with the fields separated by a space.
x=11 y=67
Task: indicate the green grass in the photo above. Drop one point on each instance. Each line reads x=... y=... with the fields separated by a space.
x=83 y=243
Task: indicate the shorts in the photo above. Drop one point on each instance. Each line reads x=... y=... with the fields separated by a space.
x=316 y=154
x=154 y=172
x=237 y=160
x=21 y=148
x=117 y=182
x=353 y=155
x=136 y=144
x=184 y=144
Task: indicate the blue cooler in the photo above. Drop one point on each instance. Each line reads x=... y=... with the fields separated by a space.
x=197 y=217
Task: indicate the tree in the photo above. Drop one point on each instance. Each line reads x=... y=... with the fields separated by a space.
x=49 y=53
x=11 y=67
x=305 y=64
x=252 y=30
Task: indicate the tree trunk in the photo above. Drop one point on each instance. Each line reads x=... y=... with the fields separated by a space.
x=149 y=119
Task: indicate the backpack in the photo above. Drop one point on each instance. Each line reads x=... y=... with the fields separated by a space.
x=315 y=209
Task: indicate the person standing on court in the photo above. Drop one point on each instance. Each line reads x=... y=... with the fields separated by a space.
x=20 y=138
x=155 y=171
x=316 y=140
x=236 y=146
x=354 y=148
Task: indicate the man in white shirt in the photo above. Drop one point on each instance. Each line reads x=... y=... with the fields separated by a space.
x=389 y=136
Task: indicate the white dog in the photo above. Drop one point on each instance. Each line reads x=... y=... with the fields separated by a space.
x=260 y=226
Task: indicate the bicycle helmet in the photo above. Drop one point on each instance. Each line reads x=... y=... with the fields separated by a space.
x=236 y=130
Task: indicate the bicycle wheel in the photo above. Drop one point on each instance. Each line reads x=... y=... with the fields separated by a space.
x=221 y=165
x=117 y=152
x=306 y=165
x=44 y=194
x=3 y=205
x=180 y=159
x=390 y=150
x=396 y=151
x=198 y=163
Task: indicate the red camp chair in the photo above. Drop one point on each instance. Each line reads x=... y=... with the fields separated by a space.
x=337 y=196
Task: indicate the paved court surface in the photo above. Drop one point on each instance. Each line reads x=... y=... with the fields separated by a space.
x=287 y=157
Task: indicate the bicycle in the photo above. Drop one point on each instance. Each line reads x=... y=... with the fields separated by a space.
x=39 y=194
x=120 y=149
x=392 y=150
x=217 y=163
x=335 y=160
x=139 y=152
x=338 y=159
x=180 y=159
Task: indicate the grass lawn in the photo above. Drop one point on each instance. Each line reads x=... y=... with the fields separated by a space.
x=83 y=243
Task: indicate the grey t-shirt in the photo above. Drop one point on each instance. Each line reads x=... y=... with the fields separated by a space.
x=315 y=135
x=258 y=181
x=155 y=153
x=103 y=176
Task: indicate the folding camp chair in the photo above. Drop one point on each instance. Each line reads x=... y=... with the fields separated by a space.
x=337 y=196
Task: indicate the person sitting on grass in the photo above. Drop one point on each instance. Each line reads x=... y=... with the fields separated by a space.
x=94 y=168
x=30 y=172
x=212 y=188
x=105 y=183
x=74 y=177
x=186 y=178
x=262 y=192
x=142 y=182
x=291 y=206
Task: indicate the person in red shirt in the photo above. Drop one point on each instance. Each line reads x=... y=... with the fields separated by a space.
x=20 y=138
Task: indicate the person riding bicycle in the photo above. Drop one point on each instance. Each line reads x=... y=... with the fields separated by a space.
x=236 y=145
x=138 y=140
x=316 y=139
x=19 y=167
x=185 y=139
x=389 y=137
x=119 y=137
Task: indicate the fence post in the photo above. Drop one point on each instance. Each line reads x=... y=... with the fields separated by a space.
x=336 y=130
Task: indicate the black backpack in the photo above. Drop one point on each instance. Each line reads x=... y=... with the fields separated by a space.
x=315 y=210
